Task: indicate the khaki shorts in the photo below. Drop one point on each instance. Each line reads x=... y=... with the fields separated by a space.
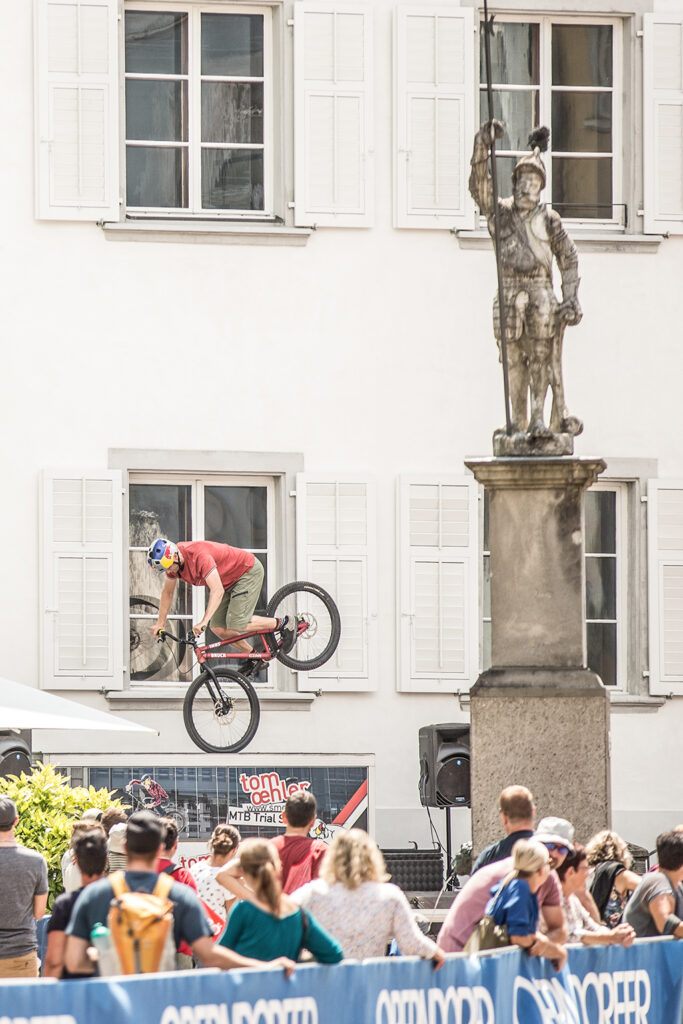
x=237 y=607
x=20 y=966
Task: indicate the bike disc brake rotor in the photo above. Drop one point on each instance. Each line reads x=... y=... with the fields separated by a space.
x=224 y=710
x=311 y=625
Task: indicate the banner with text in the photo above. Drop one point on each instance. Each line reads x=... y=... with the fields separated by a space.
x=611 y=985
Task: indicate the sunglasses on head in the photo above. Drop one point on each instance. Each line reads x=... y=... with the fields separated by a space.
x=558 y=847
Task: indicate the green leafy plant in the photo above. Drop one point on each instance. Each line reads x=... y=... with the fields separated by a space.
x=47 y=806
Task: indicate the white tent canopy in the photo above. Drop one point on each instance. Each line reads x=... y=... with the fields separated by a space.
x=24 y=707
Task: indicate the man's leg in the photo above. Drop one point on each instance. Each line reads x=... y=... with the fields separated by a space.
x=235 y=614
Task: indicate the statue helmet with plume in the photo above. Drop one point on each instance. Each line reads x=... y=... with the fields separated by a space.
x=538 y=143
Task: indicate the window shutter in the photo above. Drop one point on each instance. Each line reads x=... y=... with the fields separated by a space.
x=333 y=156
x=81 y=581
x=434 y=82
x=665 y=557
x=77 y=110
x=663 y=122
x=438 y=584
x=337 y=548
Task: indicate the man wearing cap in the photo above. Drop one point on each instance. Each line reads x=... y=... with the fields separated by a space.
x=23 y=898
x=516 y=807
x=144 y=847
x=557 y=836
x=531 y=235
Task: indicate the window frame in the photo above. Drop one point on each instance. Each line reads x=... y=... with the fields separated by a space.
x=620 y=489
x=194 y=210
x=545 y=93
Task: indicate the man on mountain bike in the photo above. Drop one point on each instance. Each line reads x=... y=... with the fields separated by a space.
x=233 y=578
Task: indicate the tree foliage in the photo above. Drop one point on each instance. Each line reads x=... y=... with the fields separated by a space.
x=47 y=807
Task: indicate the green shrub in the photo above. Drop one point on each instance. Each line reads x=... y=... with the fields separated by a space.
x=47 y=806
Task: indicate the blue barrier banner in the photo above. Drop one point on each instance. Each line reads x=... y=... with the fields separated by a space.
x=611 y=985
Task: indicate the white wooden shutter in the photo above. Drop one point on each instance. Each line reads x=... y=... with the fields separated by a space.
x=81 y=581
x=665 y=599
x=337 y=548
x=434 y=116
x=76 y=101
x=663 y=123
x=333 y=155
x=438 y=583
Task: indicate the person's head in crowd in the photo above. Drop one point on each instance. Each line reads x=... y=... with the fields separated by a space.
x=224 y=840
x=516 y=806
x=8 y=816
x=300 y=810
x=353 y=858
x=557 y=835
x=607 y=845
x=261 y=866
x=573 y=871
x=90 y=853
x=531 y=861
x=117 y=838
x=170 y=833
x=93 y=815
x=113 y=816
x=144 y=838
x=83 y=825
x=670 y=851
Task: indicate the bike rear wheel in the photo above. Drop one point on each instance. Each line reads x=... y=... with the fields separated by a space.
x=222 y=715
x=310 y=604
x=178 y=816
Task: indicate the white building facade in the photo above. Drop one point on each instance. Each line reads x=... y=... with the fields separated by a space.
x=248 y=298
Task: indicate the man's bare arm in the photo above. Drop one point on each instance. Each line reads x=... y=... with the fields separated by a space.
x=165 y=602
x=555 y=925
x=76 y=956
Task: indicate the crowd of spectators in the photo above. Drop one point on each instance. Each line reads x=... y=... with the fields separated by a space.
x=259 y=902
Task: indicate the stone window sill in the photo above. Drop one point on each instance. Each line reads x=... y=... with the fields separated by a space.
x=205 y=232
x=631 y=700
x=171 y=696
x=598 y=241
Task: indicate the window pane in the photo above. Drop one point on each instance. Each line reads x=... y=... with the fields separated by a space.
x=150 y=660
x=156 y=177
x=156 y=111
x=514 y=54
x=232 y=179
x=517 y=110
x=486 y=647
x=236 y=515
x=582 y=55
x=232 y=44
x=159 y=510
x=145 y=585
x=601 y=522
x=601 y=640
x=582 y=187
x=232 y=112
x=186 y=798
x=601 y=588
x=582 y=122
x=486 y=596
x=156 y=43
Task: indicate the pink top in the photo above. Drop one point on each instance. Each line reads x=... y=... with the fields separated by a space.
x=470 y=904
x=201 y=556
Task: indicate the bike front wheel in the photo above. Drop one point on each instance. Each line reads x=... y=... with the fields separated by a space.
x=221 y=715
x=317 y=621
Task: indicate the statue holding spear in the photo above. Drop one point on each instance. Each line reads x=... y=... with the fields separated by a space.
x=528 y=319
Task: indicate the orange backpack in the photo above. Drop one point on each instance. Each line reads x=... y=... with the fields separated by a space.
x=141 y=926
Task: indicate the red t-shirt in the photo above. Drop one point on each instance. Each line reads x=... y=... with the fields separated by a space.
x=201 y=556
x=300 y=857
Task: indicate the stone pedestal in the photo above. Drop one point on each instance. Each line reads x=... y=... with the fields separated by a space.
x=539 y=717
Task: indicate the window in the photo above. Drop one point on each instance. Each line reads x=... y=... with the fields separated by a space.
x=230 y=510
x=566 y=75
x=198 y=110
x=606 y=583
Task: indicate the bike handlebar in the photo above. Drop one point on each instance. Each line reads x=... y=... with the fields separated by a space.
x=189 y=639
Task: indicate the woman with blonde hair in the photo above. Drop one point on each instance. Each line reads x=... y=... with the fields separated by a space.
x=222 y=845
x=513 y=902
x=612 y=881
x=267 y=919
x=354 y=900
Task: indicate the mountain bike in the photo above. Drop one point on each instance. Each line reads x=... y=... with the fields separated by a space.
x=221 y=709
x=146 y=794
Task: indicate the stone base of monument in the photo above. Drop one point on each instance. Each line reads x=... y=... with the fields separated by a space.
x=547 y=730
x=539 y=717
x=522 y=444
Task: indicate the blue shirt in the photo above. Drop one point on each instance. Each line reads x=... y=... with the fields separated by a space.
x=501 y=849
x=92 y=907
x=517 y=907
